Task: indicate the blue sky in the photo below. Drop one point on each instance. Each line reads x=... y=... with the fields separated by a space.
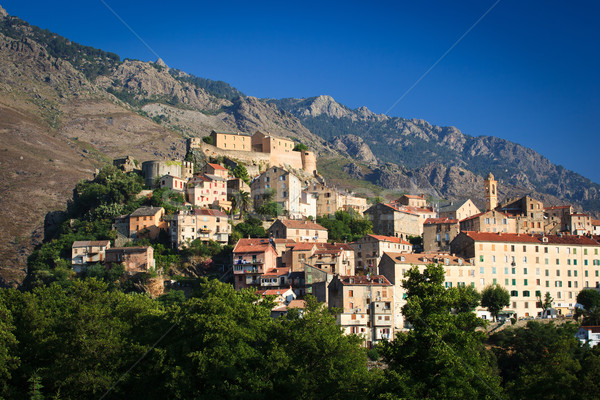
x=528 y=72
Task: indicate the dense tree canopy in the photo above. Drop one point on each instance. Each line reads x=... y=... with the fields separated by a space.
x=345 y=226
x=495 y=298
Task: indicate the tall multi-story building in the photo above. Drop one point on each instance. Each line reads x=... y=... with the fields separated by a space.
x=279 y=186
x=438 y=233
x=489 y=221
x=299 y=231
x=391 y=221
x=528 y=266
x=370 y=248
x=251 y=259
x=528 y=212
x=367 y=304
x=203 y=224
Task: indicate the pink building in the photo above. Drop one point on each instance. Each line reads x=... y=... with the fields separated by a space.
x=251 y=259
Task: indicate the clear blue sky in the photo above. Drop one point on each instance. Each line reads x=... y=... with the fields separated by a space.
x=529 y=72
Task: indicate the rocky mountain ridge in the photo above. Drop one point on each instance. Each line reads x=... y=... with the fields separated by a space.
x=67 y=109
x=422 y=149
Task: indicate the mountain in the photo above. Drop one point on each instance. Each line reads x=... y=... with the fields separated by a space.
x=440 y=160
x=67 y=109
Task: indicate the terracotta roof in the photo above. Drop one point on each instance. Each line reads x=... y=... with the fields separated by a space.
x=434 y=221
x=297 y=304
x=146 y=211
x=592 y=328
x=211 y=212
x=483 y=213
x=414 y=196
x=424 y=258
x=302 y=246
x=556 y=207
x=579 y=215
x=335 y=246
x=281 y=241
x=373 y=280
x=277 y=271
x=217 y=166
x=89 y=243
x=273 y=292
x=596 y=222
x=390 y=239
x=299 y=224
x=524 y=238
x=252 y=246
x=416 y=210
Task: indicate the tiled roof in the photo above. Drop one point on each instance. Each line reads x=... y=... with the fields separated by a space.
x=171 y=176
x=524 y=238
x=373 y=280
x=299 y=224
x=297 y=304
x=252 y=246
x=146 y=211
x=579 y=215
x=390 y=239
x=483 y=213
x=434 y=221
x=217 y=166
x=277 y=271
x=215 y=177
x=414 y=196
x=424 y=258
x=592 y=328
x=596 y=222
x=273 y=292
x=232 y=133
x=211 y=212
x=302 y=246
x=452 y=206
x=89 y=243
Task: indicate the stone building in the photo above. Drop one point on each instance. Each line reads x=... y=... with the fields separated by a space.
x=84 y=253
x=370 y=248
x=391 y=221
x=299 y=231
x=438 y=233
x=134 y=259
x=458 y=209
x=281 y=187
x=367 y=304
x=238 y=141
x=489 y=221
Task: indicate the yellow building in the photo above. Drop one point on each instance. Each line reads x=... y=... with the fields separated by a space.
x=528 y=266
x=239 y=141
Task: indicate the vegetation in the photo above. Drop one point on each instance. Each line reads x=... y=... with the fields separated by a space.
x=241 y=172
x=443 y=355
x=218 y=89
x=76 y=342
x=300 y=147
x=207 y=139
x=90 y=61
x=345 y=226
x=495 y=298
x=252 y=227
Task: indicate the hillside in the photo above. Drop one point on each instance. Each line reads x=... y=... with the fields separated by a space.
x=67 y=109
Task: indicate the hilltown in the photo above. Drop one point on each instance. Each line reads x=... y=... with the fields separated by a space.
x=517 y=243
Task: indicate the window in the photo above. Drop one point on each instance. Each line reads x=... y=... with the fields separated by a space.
x=493 y=270
x=481 y=258
x=525 y=282
x=525 y=293
x=558 y=272
x=525 y=271
x=350 y=293
x=547 y=272
x=514 y=293
x=514 y=282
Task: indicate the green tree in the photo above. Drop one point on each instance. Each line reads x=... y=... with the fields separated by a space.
x=9 y=360
x=300 y=147
x=443 y=355
x=495 y=298
x=270 y=209
x=465 y=298
x=536 y=360
x=241 y=201
x=345 y=225
x=589 y=298
x=251 y=227
x=547 y=302
x=241 y=172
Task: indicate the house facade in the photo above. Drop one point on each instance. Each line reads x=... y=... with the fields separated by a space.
x=299 y=231
x=438 y=233
x=84 y=253
x=238 y=141
x=134 y=259
x=251 y=259
x=367 y=305
x=281 y=187
x=147 y=222
x=528 y=266
x=391 y=221
x=370 y=248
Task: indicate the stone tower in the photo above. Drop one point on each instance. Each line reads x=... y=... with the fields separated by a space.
x=491 y=193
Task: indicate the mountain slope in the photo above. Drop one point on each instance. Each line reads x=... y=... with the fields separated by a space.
x=423 y=148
